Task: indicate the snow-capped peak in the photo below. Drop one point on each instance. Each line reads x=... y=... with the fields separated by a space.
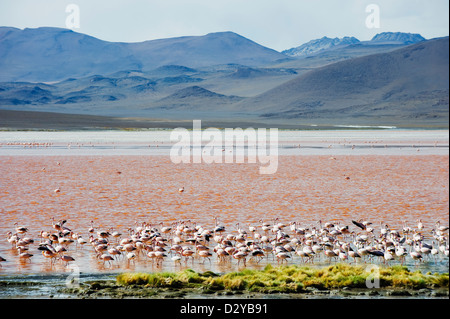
x=317 y=45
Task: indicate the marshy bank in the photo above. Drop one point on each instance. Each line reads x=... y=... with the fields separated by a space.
x=334 y=281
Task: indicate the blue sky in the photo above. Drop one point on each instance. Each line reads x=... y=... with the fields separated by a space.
x=278 y=24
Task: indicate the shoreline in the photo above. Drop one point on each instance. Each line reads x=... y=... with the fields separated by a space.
x=26 y=120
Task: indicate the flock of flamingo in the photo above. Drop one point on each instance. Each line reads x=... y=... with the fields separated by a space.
x=185 y=241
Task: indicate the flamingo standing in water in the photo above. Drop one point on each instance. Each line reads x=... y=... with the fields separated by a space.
x=279 y=240
x=419 y=224
x=67 y=259
x=91 y=229
x=130 y=257
x=441 y=228
x=81 y=241
x=106 y=258
x=50 y=254
x=240 y=256
x=401 y=253
x=25 y=255
x=12 y=239
x=205 y=254
x=282 y=256
x=330 y=254
x=416 y=256
x=176 y=259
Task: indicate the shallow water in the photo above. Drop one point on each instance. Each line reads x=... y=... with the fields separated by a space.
x=383 y=179
x=159 y=142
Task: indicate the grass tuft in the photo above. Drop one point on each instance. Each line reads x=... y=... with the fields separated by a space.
x=289 y=279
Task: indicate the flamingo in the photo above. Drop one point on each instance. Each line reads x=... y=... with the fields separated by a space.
x=81 y=241
x=302 y=254
x=222 y=254
x=252 y=229
x=206 y=254
x=218 y=228
x=343 y=255
x=91 y=229
x=165 y=229
x=58 y=225
x=416 y=256
x=434 y=252
x=441 y=228
x=43 y=235
x=131 y=257
x=388 y=256
x=239 y=255
x=330 y=254
x=258 y=254
x=176 y=259
x=353 y=254
x=279 y=240
x=425 y=249
x=25 y=255
x=401 y=253
x=51 y=254
x=282 y=256
x=359 y=224
x=12 y=238
x=159 y=256
x=115 y=234
x=103 y=234
x=129 y=248
x=67 y=259
x=114 y=252
x=420 y=224
x=20 y=229
x=265 y=226
x=384 y=228
x=187 y=253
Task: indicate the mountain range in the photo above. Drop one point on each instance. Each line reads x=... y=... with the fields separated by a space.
x=396 y=87
x=393 y=79
x=319 y=45
x=54 y=54
x=325 y=43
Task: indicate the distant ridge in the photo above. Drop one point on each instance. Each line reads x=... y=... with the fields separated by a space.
x=318 y=45
x=408 y=84
x=401 y=37
x=195 y=97
x=324 y=44
x=53 y=54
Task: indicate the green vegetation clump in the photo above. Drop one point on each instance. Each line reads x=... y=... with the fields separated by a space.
x=289 y=279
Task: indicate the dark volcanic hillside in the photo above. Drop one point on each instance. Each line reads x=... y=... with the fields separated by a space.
x=411 y=83
x=195 y=98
